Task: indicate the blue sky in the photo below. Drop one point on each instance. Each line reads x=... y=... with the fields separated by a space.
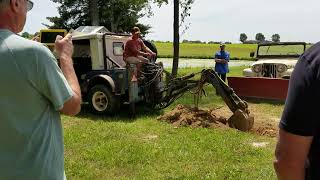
x=223 y=20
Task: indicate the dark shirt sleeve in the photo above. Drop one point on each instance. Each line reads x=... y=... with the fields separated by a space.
x=301 y=112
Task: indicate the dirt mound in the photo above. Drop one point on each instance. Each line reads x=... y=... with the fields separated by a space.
x=212 y=118
x=189 y=116
x=265 y=129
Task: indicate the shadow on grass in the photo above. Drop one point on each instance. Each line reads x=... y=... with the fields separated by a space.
x=260 y=100
x=123 y=115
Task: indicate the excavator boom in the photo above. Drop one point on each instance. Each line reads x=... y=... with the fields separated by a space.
x=176 y=87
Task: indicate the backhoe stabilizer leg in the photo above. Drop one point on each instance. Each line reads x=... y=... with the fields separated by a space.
x=241 y=120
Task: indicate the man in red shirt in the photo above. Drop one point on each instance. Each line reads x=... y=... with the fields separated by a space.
x=135 y=50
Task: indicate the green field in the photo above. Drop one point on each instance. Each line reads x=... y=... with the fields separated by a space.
x=205 y=51
x=103 y=147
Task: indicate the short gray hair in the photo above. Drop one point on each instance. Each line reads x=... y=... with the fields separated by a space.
x=4 y=3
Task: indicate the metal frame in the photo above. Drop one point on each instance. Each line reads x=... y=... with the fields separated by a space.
x=279 y=44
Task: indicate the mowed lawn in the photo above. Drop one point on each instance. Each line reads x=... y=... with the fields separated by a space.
x=103 y=147
x=204 y=51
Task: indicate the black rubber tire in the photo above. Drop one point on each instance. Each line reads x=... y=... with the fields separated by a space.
x=112 y=104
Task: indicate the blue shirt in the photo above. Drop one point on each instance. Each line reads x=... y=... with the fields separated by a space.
x=220 y=67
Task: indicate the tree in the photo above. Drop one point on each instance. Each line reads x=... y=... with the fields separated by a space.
x=94 y=12
x=26 y=35
x=185 y=6
x=260 y=37
x=243 y=37
x=275 y=38
x=115 y=15
x=175 y=63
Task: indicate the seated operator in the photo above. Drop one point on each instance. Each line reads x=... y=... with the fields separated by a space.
x=135 y=50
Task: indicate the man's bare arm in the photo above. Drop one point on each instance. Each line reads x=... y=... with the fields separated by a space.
x=291 y=155
x=221 y=61
x=64 y=49
x=146 y=49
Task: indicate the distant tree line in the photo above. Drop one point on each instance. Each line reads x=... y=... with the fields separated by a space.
x=204 y=42
x=258 y=38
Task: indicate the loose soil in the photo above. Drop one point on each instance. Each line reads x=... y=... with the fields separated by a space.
x=218 y=118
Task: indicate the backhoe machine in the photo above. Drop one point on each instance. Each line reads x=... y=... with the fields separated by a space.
x=107 y=82
x=160 y=94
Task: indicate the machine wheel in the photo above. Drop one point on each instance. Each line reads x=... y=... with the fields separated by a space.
x=102 y=101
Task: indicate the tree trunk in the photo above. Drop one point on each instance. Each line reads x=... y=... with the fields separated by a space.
x=94 y=12
x=175 y=63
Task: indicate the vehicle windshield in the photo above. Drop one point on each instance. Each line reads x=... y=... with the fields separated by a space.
x=281 y=50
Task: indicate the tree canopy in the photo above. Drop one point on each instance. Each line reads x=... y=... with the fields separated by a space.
x=115 y=15
x=275 y=38
x=260 y=37
x=26 y=35
x=243 y=37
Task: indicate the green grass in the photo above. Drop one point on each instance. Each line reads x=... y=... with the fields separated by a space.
x=102 y=147
x=205 y=51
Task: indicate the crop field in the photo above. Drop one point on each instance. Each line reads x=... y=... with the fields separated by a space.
x=207 y=51
x=117 y=147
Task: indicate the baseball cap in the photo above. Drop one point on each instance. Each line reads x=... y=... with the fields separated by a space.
x=222 y=44
x=135 y=30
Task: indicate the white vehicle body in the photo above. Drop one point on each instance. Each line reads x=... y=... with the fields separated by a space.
x=91 y=45
x=277 y=64
x=100 y=68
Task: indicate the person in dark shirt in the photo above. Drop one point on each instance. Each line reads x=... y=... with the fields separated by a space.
x=222 y=58
x=298 y=148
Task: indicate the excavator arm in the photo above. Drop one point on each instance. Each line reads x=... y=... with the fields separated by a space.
x=176 y=87
x=241 y=118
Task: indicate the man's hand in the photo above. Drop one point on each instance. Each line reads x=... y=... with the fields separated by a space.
x=64 y=50
x=153 y=54
x=64 y=47
x=150 y=55
x=36 y=38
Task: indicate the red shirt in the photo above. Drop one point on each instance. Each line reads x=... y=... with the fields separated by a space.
x=132 y=48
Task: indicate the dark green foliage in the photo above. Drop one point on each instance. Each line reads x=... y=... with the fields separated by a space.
x=243 y=37
x=260 y=37
x=115 y=15
x=26 y=35
x=275 y=38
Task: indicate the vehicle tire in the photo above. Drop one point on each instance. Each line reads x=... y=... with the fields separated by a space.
x=102 y=101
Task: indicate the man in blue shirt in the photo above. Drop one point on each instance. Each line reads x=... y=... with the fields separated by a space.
x=222 y=58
